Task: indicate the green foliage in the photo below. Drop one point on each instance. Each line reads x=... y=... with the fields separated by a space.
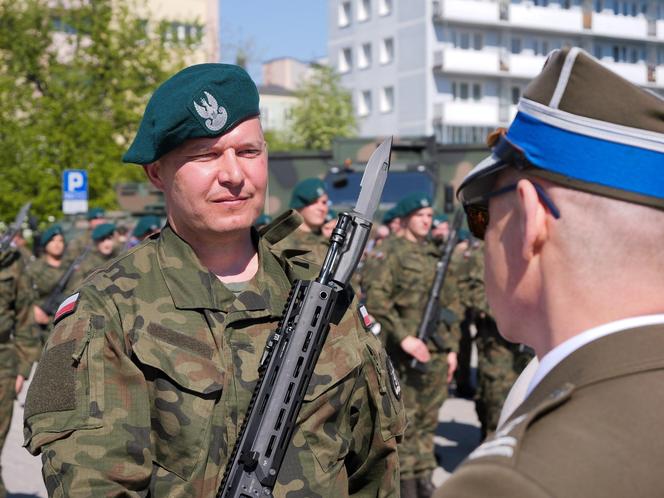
x=73 y=84
x=324 y=111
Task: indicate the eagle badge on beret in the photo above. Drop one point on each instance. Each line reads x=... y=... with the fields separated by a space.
x=215 y=116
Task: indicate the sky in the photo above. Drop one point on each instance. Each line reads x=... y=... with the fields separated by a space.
x=271 y=29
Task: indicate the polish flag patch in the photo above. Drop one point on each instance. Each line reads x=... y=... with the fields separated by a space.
x=366 y=318
x=67 y=307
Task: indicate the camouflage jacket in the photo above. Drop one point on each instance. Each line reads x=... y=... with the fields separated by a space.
x=19 y=347
x=155 y=368
x=45 y=277
x=313 y=243
x=397 y=292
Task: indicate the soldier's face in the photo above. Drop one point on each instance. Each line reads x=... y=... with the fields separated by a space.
x=105 y=247
x=419 y=222
x=55 y=246
x=314 y=214
x=214 y=185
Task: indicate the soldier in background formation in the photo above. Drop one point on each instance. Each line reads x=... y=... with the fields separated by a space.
x=101 y=253
x=311 y=201
x=95 y=217
x=19 y=346
x=45 y=274
x=396 y=293
x=145 y=227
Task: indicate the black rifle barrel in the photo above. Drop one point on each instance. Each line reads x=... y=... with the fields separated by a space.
x=430 y=317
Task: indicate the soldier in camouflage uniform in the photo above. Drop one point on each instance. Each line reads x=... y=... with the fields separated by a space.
x=45 y=274
x=396 y=296
x=310 y=200
x=499 y=362
x=19 y=347
x=156 y=356
x=75 y=247
x=102 y=252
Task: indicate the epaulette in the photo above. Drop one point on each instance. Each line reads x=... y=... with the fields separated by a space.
x=282 y=226
x=505 y=442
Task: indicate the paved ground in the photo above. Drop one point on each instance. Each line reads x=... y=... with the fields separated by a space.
x=458 y=434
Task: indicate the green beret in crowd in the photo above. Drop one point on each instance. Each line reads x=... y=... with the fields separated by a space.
x=205 y=100
x=307 y=192
x=440 y=218
x=390 y=214
x=95 y=213
x=49 y=233
x=146 y=225
x=413 y=202
x=103 y=232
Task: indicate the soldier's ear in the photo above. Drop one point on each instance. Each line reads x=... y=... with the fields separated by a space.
x=532 y=217
x=153 y=172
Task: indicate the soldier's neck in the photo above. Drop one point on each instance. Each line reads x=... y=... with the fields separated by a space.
x=53 y=261
x=235 y=259
x=408 y=235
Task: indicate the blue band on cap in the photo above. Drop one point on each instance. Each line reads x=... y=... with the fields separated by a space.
x=589 y=159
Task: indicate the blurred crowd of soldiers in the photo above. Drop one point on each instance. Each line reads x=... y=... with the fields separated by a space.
x=394 y=281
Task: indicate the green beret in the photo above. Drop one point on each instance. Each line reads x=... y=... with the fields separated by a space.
x=49 y=233
x=95 y=213
x=205 y=100
x=146 y=225
x=103 y=231
x=390 y=215
x=413 y=202
x=464 y=235
x=331 y=215
x=440 y=218
x=307 y=192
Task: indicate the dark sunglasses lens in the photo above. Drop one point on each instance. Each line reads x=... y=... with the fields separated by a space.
x=478 y=219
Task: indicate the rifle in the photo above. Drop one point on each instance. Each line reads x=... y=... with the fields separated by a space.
x=431 y=315
x=50 y=305
x=7 y=238
x=292 y=351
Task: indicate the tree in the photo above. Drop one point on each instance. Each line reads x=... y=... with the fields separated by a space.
x=324 y=111
x=74 y=79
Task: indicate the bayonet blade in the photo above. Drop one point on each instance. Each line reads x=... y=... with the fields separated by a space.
x=373 y=180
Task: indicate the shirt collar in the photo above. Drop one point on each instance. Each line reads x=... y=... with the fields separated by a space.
x=566 y=348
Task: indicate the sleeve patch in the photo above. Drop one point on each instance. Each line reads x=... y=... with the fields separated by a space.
x=67 y=307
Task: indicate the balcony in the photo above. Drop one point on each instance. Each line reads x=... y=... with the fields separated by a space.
x=533 y=17
x=468 y=11
x=525 y=65
x=456 y=60
x=466 y=113
x=660 y=30
x=628 y=27
x=636 y=73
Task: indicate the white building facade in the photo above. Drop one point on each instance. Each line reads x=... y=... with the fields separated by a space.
x=456 y=68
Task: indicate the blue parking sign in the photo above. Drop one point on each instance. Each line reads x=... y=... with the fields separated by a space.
x=74 y=191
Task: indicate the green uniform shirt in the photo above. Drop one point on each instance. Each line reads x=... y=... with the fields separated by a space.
x=314 y=243
x=397 y=292
x=165 y=360
x=44 y=278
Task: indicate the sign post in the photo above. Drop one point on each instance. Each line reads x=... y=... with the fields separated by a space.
x=74 y=191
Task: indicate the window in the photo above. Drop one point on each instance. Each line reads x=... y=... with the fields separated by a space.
x=345 y=60
x=387 y=51
x=344 y=14
x=364 y=103
x=364 y=57
x=516 y=95
x=464 y=90
x=385 y=7
x=363 y=10
x=541 y=47
x=541 y=3
x=465 y=134
x=517 y=45
x=387 y=99
x=467 y=40
x=599 y=53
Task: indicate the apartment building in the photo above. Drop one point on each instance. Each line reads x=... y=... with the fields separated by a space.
x=456 y=68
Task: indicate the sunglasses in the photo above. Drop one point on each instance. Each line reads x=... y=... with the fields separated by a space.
x=477 y=209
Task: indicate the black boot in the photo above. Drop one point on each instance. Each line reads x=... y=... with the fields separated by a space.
x=409 y=488
x=425 y=487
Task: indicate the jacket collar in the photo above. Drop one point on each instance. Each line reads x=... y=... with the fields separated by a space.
x=192 y=286
x=615 y=355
